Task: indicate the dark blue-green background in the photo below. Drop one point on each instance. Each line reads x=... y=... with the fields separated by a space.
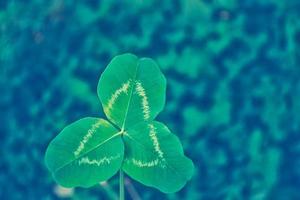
x=233 y=70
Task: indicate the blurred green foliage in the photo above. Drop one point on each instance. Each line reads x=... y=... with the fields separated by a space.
x=233 y=88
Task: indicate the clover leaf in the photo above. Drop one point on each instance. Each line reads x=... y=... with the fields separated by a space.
x=132 y=92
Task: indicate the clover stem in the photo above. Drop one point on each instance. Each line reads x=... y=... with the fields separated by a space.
x=122 y=196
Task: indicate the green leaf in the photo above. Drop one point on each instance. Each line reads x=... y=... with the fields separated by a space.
x=154 y=157
x=86 y=152
x=131 y=90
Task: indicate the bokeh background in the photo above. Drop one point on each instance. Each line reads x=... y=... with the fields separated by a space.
x=233 y=71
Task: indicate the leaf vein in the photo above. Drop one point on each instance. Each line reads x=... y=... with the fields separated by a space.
x=150 y=150
x=129 y=101
x=92 y=149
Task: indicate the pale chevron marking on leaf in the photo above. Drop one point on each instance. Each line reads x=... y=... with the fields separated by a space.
x=154 y=139
x=116 y=94
x=90 y=150
x=145 y=104
x=99 y=162
x=152 y=163
x=87 y=137
x=159 y=161
x=140 y=163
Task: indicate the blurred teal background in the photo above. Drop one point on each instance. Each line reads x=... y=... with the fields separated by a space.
x=233 y=71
